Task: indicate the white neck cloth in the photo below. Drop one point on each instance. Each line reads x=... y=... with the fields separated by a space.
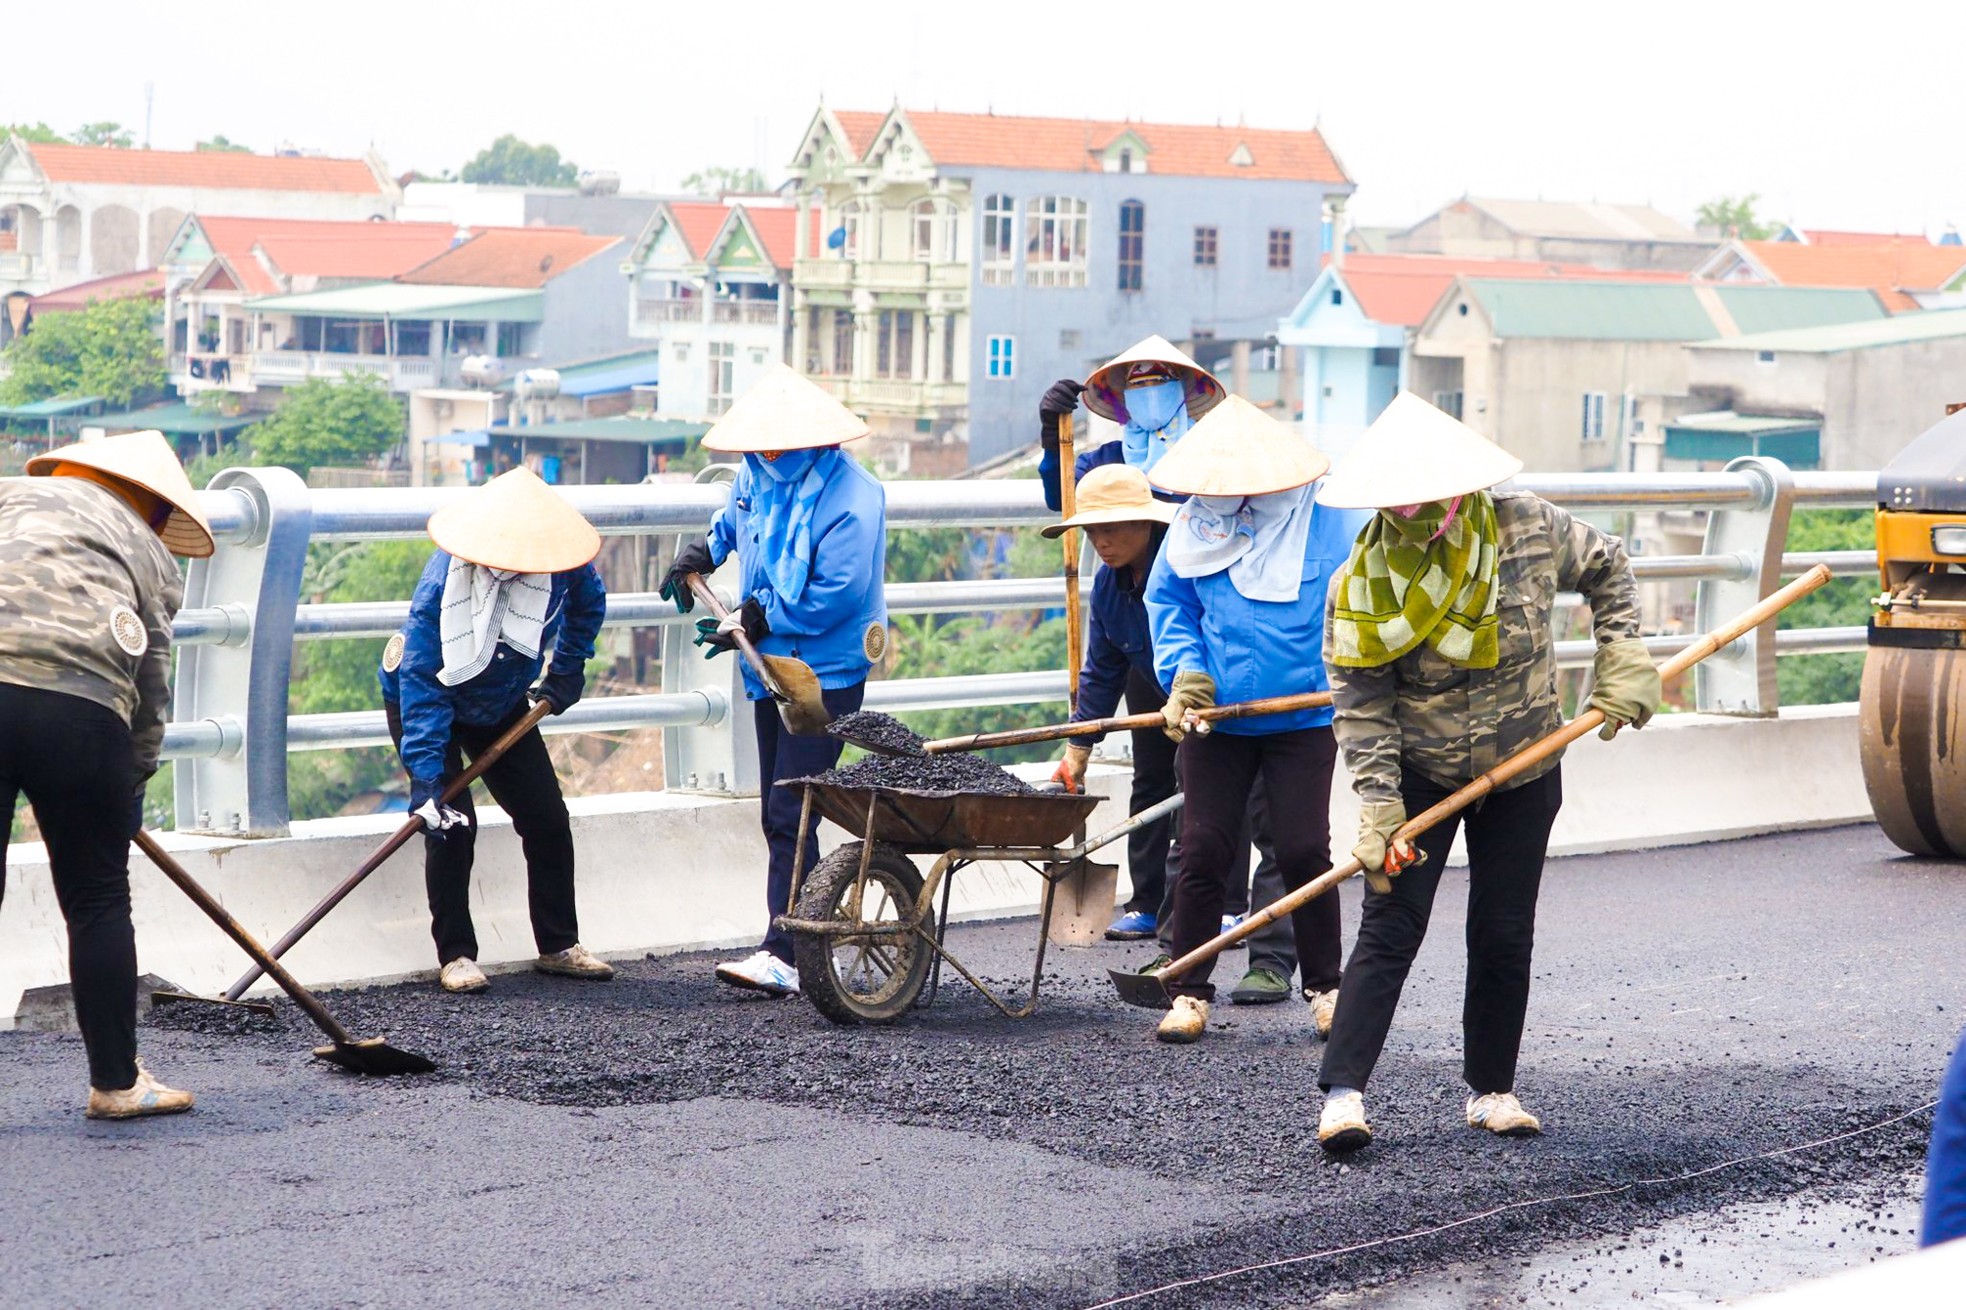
x=482 y=607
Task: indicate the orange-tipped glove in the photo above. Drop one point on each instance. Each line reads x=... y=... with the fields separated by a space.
x=1382 y=857
x=1070 y=773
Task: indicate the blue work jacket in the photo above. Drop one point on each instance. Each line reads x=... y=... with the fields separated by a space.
x=1111 y=452
x=573 y=620
x=1253 y=648
x=1118 y=641
x=839 y=626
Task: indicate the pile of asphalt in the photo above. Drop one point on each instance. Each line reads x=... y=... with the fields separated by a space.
x=875 y=731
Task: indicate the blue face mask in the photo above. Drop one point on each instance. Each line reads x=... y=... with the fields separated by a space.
x=1151 y=408
x=788 y=467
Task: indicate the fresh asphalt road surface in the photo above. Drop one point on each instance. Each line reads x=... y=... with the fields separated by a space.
x=661 y=1140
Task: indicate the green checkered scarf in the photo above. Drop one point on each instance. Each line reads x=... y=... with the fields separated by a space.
x=1403 y=586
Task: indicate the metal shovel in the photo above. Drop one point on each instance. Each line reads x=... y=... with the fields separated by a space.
x=1149 y=990
x=979 y=741
x=372 y=1056
x=792 y=683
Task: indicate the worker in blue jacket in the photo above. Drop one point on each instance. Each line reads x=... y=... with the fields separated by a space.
x=1236 y=601
x=809 y=528
x=1154 y=391
x=510 y=589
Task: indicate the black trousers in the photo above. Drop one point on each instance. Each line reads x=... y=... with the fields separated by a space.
x=1217 y=772
x=74 y=761
x=1274 y=946
x=1153 y=782
x=784 y=754
x=523 y=783
x=1508 y=837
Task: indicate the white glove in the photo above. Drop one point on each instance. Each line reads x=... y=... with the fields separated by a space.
x=436 y=818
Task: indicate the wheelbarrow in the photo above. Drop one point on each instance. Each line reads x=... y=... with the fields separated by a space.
x=867 y=936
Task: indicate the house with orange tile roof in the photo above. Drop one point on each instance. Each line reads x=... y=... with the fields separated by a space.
x=948 y=266
x=1908 y=273
x=1607 y=236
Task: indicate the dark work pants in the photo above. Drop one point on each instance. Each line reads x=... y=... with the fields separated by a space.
x=1508 y=836
x=74 y=761
x=523 y=783
x=1153 y=782
x=784 y=754
x=1217 y=773
x=1273 y=946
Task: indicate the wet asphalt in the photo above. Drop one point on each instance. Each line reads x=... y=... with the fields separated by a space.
x=663 y=1140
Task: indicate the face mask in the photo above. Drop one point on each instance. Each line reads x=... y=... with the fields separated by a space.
x=1152 y=408
x=1419 y=524
x=788 y=467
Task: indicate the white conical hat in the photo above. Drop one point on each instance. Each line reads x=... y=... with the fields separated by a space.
x=1113 y=493
x=1105 y=389
x=516 y=522
x=784 y=411
x=1414 y=454
x=1238 y=450
x=146 y=460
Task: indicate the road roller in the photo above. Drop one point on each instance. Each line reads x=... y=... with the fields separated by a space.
x=1913 y=734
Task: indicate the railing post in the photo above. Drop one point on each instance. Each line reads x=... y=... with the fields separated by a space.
x=724 y=758
x=1741 y=679
x=242 y=684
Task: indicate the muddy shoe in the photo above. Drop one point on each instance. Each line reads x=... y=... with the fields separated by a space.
x=762 y=972
x=1500 y=1113
x=575 y=962
x=144 y=1097
x=1324 y=1008
x=1342 y=1126
x=1260 y=987
x=1185 y=1023
x=1156 y=964
x=462 y=976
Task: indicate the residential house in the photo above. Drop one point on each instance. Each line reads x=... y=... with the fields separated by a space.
x=1556 y=231
x=713 y=283
x=482 y=204
x=1907 y=273
x=967 y=260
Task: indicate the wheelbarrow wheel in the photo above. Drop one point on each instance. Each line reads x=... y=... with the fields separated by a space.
x=866 y=979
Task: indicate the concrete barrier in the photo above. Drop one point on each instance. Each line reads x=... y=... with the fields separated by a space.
x=664 y=871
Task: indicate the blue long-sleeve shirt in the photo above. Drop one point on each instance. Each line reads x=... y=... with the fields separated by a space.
x=573 y=619
x=1118 y=642
x=1945 y=1161
x=1252 y=648
x=830 y=626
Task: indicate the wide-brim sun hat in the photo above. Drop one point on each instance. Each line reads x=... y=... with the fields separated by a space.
x=1106 y=388
x=784 y=411
x=1114 y=493
x=1238 y=450
x=516 y=523
x=146 y=460
x=1415 y=454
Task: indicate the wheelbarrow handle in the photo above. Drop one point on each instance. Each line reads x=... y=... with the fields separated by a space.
x=978 y=741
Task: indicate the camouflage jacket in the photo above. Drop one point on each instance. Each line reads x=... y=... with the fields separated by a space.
x=87 y=593
x=1453 y=724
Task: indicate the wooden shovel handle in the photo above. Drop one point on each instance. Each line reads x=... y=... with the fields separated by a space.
x=708 y=595
x=1068 y=480
x=977 y=741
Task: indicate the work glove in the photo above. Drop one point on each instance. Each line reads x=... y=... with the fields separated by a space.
x=719 y=635
x=1624 y=685
x=1061 y=400
x=693 y=558
x=1192 y=691
x=562 y=687
x=436 y=815
x=1070 y=773
x=1382 y=857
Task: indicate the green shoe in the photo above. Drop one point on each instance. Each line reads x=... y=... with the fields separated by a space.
x=1158 y=963
x=1261 y=987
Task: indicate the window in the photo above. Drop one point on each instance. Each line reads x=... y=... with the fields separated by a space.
x=1764 y=356
x=1126 y=160
x=1337 y=296
x=723 y=369
x=1054 y=242
x=1628 y=424
x=1279 y=247
x=814 y=363
x=1593 y=416
x=1068 y=338
x=842 y=342
x=1385 y=356
x=924 y=224
x=999 y=241
x=1204 y=247
x=849 y=230
x=682 y=352
x=1003 y=357
x=949 y=348
x=1448 y=402
x=894 y=344
x=1133 y=239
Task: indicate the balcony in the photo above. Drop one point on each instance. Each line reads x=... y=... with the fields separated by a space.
x=667 y=309
x=897 y=395
x=757 y=313
x=286 y=367
x=879 y=275
x=204 y=370
x=17 y=266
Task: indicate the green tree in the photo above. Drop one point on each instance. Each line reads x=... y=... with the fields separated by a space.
x=33 y=132
x=716 y=180
x=509 y=161
x=1845 y=602
x=109 y=349
x=330 y=423
x=220 y=144
x=1735 y=215
x=104 y=133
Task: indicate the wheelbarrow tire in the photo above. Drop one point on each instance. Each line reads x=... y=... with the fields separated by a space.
x=857 y=995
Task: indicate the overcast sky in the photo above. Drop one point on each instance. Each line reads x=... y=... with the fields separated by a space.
x=1852 y=120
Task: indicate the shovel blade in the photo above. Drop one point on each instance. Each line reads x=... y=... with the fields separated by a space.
x=375 y=1057
x=168 y=998
x=1142 y=989
x=796 y=688
x=1083 y=903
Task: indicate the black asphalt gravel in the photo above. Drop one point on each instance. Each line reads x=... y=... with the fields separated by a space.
x=875 y=731
x=954 y=772
x=1692 y=1006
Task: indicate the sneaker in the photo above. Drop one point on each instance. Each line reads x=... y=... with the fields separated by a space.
x=575 y=962
x=762 y=972
x=462 y=976
x=1260 y=987
x=1133 y=926
x=1233 y=921
x=1156 y=964
x=1500 y=1113
x=1342 y=1126
x=1324 y=1008
x=1185 y=1023
x=146 y=1096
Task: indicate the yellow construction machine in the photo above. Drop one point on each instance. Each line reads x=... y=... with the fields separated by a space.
x=1913 y=732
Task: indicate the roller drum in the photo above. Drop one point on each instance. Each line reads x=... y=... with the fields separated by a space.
x=1913 y=744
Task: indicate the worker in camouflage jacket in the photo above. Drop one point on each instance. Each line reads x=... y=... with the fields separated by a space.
x=1439 y=646
x=88 y=589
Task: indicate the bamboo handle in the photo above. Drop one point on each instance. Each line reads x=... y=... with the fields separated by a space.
x=977 y=741
x=715 y=604
x=1068 y=504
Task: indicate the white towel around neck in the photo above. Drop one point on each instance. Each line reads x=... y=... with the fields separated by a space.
x=482 y=607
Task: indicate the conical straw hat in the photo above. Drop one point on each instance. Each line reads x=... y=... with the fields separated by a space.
x=1414 y=454
x=1114 y=493
x=1238 y=450
x=784 y=411
x=143 y=459
x=1105 y=388
x=516 y=522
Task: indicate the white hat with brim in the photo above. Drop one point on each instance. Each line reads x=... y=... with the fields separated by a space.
x=1114 y=493
x=516 y=523
x=1415 y=454
x=784 y=411
x=1238 y=450
x=1105 y=390
x=146 y=460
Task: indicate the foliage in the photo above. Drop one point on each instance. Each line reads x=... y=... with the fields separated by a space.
x=109 y=349
x=509 y=161
x=923 y=647
x=33 y=132
x=104 y=133
x=1735 y=215
x=330 y=422
x=219 y=143
x=716 y=180
x=1845 y=602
